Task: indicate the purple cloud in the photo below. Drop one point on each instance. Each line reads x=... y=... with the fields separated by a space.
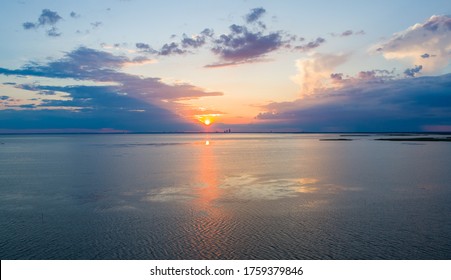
x=347 y=33
x=255 y=14
x=89 y=64
x=311 y=45
x=241 y=45
x=336 y=76
x=142 y=46
x=244 y=45
x=128 y=102
x=172 y=48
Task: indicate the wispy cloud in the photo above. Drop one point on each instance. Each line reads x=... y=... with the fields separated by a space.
x=74 y=15
x=311 y=45
x=348 y=33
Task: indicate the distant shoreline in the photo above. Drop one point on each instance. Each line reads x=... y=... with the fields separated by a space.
x=345 y=134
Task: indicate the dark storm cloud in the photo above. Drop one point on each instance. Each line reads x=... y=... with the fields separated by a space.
x=389 y=105
x=102 y=108
x=195 y=42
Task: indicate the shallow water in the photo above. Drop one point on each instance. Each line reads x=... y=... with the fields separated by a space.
x=223 y=196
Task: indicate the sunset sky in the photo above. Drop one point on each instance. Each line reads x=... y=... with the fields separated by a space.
x=164 y=66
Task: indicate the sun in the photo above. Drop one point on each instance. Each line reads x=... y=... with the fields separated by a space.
x=206 y=119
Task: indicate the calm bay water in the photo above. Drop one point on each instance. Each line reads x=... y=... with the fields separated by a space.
x=223 y=196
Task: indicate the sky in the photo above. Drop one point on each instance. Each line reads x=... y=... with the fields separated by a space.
x=181 y=66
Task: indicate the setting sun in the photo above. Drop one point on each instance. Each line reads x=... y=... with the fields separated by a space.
x=207 y=119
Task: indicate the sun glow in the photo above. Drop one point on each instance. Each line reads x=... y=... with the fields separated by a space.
x=207 y=119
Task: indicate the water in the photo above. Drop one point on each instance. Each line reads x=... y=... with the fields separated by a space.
x=223 y=196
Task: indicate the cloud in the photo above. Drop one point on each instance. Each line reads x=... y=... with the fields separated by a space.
x=87 y=64
x=53 y=32
x=170 y=49
x=315 y=72
x=186 y=44
x=411 y=72
x=194 y=42
x=96 y=24
x=145 y=48
x=46 y=19
x=101 y=109
x=419 y=41
x=255 y=14
x=243 y=46
x=74 y=15
x=29 y=25
x=142 y=46
x=347 y=33
x=372 y=106
x=311 y=45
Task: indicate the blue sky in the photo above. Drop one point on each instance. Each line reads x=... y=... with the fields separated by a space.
x=156 y=66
